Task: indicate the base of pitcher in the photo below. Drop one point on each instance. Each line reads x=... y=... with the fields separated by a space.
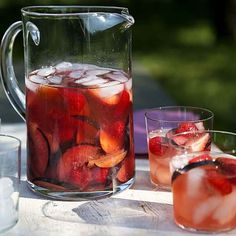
x=65 y=195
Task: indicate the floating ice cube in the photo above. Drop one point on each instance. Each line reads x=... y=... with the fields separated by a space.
x=55 y=79
x=46 y=71
x=38 y=79
x=76 y=74
x=118 y=76
x=194 y=178
x=80 y=66
x=178 y=162
x=94 y=82
x=205 y=208
x=31 y=86
x=86 y=79
x=110 y=89
x=226 y=211
x=63 y=66
x=97 y=72
x=128 y=84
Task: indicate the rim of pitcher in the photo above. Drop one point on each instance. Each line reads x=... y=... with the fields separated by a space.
x=64 y=10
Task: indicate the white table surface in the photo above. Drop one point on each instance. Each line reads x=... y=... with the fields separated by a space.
x=141 y=210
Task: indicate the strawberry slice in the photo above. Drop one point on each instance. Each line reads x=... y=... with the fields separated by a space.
x=75 y=101
x=74 y=158
x=112 y=137
x=218 y=181
x=198 y=143
x=38 y=150
x=123 y=106
x=202 y=157
x=186 y=127
x=228 y=167
x=157 y=146
x=127 y=169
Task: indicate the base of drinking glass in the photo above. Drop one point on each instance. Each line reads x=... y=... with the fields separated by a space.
x=161 y=187
x=79 y=196
x=202 y=231
x=8 y=227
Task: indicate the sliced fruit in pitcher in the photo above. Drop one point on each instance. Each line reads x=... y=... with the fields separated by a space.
x=127 y=168
x=74 y=158
x=112 y=137
x=39 y=150
x=108 y=160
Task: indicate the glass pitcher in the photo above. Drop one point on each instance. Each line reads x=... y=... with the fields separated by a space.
x=78 y=99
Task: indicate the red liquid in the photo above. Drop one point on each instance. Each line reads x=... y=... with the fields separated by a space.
x=79 y=123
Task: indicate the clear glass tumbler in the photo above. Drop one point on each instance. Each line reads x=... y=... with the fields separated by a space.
x=161 y=124
x=10 y=170
x=204 y=183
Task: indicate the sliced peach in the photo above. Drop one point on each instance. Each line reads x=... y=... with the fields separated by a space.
x=108 y=160
x=112 y=137
x=74 y=158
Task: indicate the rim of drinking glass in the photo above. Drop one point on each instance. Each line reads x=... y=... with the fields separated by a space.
x=18 y=141
x=63 y=10
x=147 y=115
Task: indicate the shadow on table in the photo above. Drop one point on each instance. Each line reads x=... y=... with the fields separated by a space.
x=114 y=212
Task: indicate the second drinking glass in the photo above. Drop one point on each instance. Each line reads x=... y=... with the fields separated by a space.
x=161 y=124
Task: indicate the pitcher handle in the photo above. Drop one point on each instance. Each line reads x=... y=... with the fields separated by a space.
x=10 y=84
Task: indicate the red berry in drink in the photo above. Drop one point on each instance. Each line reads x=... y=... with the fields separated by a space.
x=186 y=127
x=218 y=181
x=202 y=157
x=157 y=145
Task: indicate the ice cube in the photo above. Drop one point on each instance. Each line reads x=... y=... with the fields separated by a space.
x=200 y=125
x=63 y=66
x=55 y=79
x=31 y=86
x=128 y=84
x=110 y=89
x=97 y=72
x=93 y=82
x=205 y=208
x=194 y=178
x=76 y=74
x=46 y=71
x=226 y=211
x=86 y=79
x=178 y=162
x=118 y=76
x=38 y=79
x=80 y=66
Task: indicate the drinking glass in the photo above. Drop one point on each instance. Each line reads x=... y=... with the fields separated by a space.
x=10 y=168
x=161 y=124
x=78 y=103
x=204 y=183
